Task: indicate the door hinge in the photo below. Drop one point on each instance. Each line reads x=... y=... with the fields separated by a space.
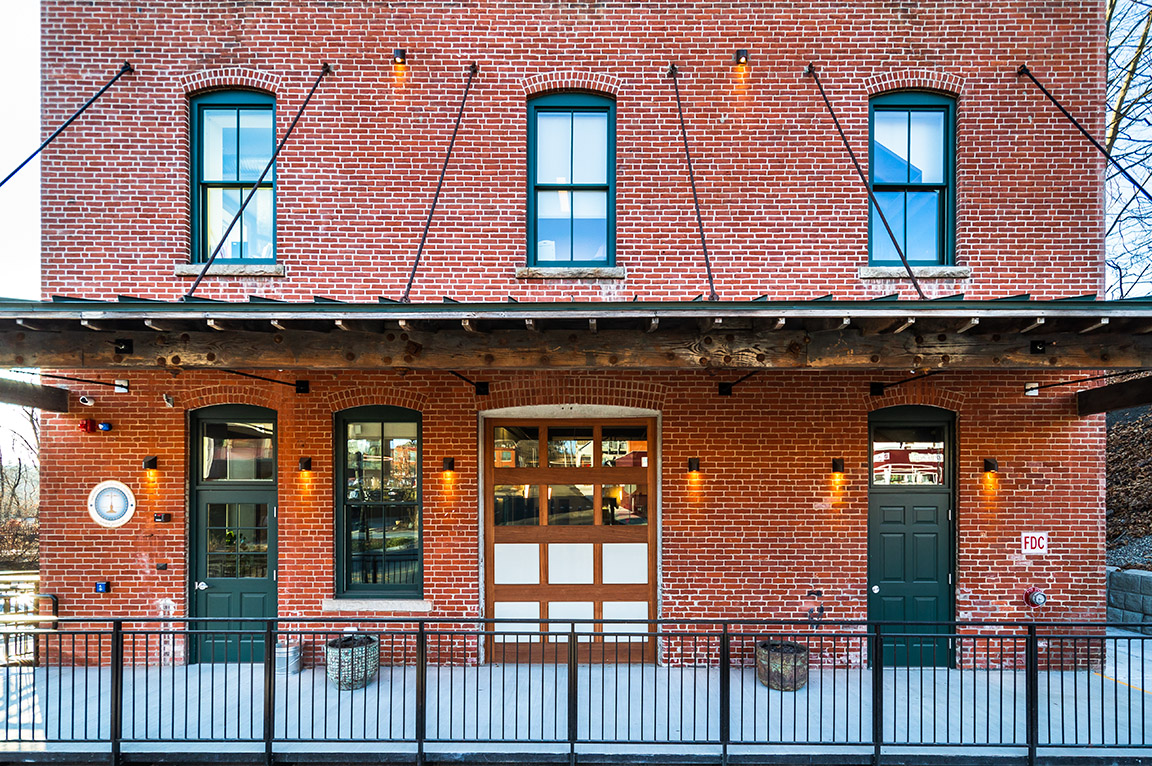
x=276 y=576
x=276 y=508
x=949 y=514
x=949 y=578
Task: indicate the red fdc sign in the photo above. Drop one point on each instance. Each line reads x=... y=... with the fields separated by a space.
x=1034 y=543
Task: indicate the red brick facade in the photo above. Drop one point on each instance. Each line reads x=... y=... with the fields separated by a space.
x=784 y=215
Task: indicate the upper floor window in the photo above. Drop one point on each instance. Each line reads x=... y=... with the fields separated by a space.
x=378 y=529
x=233 y=137
x=911 y=162
x=571 y=180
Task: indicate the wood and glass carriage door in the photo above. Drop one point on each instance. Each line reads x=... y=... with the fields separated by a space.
x=233 y=531
x=910 y=502
x=570 y=535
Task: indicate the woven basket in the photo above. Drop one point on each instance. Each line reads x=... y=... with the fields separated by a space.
x=352 y=667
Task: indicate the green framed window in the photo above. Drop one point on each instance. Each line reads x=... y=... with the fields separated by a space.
x=378 y=502
x=571 y=180
x=233 y=137
x=912 y=168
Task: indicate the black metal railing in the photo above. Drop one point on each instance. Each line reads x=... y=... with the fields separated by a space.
x=687 y=686
x=21 y=604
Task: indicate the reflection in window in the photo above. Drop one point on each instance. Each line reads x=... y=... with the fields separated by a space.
x=624 y=504
x=570 y=504
x=241 y=451
x=382 y=462
x=908 y=455
x=237 y=544
x=570 y=447
x=517 y=505
x=517 y=447
x=624 y=446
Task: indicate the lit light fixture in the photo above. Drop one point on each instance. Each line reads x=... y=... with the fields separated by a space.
x=740 y=57
x=305 y=464
x=991 y=465
x=449 y=464
x=837 y=465
x=150 y=463
x=399 y=57
x=693 y=465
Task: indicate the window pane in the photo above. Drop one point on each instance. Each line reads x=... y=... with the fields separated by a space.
x=553 y=226
x=365 y=544
x=253 y=566
x=890 y=146
x=553 y=147
x=570 y=504
x=516 y=505
x=570 y=447
x=624 y=504
x=364 y=451
x=590 y=226
x=624 y=446
x=257 y=231
x=516 y=447
x=222 y=207
x=401 y=545
x=256 y=143
x=892 y=203
x=923 y=226
x=236 y=452
x=908 y=455
x=590 y=148
x=218 y=145
x=926 y=153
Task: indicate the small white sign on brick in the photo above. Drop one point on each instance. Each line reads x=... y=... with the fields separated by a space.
x=1034 y=543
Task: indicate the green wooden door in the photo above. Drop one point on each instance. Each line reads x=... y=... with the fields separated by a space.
x=233 y=531
x=910 y=533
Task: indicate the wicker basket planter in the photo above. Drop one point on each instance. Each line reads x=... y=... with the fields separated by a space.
x=782 y=665
x=352 y=660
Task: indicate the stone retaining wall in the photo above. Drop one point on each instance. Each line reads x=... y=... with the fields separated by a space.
x=1130 y=596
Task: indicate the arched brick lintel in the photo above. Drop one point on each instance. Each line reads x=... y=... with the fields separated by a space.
x=534 y=389
x=571 y=80
x=915 y=79
x=920 y=392
x=229 y=77
x=343 y=399
x=241 y=394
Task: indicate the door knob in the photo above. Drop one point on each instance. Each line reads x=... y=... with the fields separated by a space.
x=875 y=588
x=201 y=585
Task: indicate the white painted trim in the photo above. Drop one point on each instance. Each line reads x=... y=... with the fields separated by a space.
x=375 y=605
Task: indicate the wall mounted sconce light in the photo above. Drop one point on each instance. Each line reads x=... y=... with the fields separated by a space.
x=991 y=465
x=399 y=57
x=740 y=57
x=837 y=465
x=449 y=464
x=693 y=465
x=150 y=463
x=305 y=464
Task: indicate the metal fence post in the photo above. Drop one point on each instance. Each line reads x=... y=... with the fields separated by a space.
x=421 y=691
x=270 y=687
x=573 y=700
x=877 y=693
x=725 y=693
x=116 y=722
x=1032 y=692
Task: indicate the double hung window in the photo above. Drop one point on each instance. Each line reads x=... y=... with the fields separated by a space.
x=233 y=137
x=912 y=151
x=571 y=186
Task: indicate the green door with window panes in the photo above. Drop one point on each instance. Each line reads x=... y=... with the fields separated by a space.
x=233 y=532
x=910 y=533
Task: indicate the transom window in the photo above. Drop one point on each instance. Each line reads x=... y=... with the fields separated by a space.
x=572 y=186
x=912 y=177
x=233 y=137
x=378 y=501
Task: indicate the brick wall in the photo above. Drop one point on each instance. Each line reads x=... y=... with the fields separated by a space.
x=762 y=524
x=785 y=214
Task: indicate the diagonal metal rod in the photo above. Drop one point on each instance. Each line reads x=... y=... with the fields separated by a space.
x=1026 y=72
x=127 y=68
x=1086 y=380
x=672 y=72
x=472 y=70
x=324 y=70
x=811 y=72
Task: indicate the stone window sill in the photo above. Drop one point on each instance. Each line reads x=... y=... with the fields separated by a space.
x=573 y=272
x=375 y=605
x=232 y=270
x=921 y=272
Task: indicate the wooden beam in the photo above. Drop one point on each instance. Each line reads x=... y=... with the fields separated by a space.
x=968 y=325
x=779 y=323
x=653 y=323
x=1114 y=396
x=469 y=325
x=1101 y=322
x=904 y=325
x=592 y=326
x=46 y=398
x=1037 y=322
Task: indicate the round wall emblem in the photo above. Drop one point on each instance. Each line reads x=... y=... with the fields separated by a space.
x=111 y=504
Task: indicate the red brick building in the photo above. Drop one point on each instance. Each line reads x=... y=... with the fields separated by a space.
x=602 y=472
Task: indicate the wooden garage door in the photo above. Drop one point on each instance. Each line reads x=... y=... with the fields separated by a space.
x=570 y=535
